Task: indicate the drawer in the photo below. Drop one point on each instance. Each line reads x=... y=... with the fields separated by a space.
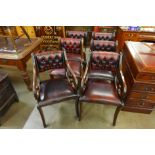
x=5 y=94
x=4 y=83
x=146 y=77
x=130 y=36
x=144 y=87
x=137 y=110
x=140 y=103
x=142 y=96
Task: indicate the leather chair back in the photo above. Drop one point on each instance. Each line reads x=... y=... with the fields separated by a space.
x=49 y=60
x=105 y=61
x=98 y=45
x=103 y=36
x=71 y=45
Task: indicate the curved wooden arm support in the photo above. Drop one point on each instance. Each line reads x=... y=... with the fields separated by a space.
x=120 y=82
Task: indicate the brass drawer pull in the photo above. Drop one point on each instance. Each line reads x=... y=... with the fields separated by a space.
x=142 y=103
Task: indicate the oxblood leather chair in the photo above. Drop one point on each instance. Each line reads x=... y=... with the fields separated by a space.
x=98 y=89
x=103 y=36
x=75 y=56
x=100 y=45
x=79 y=35
x=52 y=91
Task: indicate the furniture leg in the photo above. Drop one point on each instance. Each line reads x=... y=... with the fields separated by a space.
x=76 y=107
x=22 y=68
x=42 y=116
x=118 y=109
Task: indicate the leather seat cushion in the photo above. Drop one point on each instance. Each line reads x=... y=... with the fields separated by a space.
x=55 y=90
x=101 y=73
x=58 y=73
x=101 y=91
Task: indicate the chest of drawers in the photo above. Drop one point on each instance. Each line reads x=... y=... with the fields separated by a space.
x=7 y=93
x=139 y=73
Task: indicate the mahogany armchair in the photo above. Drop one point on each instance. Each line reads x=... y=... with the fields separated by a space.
x=75 y=56
x=103 y=36
x=101 y=45
x=79 y=35
x=48 y=92
x=96 y=88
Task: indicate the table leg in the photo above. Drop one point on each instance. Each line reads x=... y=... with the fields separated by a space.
x=25 y=75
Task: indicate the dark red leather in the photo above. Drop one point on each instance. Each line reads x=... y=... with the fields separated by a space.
x=105 y=61
x=71 y=45
x=55 y=90
x=103 y=36
x=49 y=60
x=98 y=45
x=101 y=74
x=101 y=91
x=76 y=34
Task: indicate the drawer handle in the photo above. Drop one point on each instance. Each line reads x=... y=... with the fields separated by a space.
x=152 y=77
x=142 y=103
x=146 y=88
x=144 y=97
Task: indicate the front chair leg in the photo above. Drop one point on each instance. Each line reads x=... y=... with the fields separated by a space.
x=78 y=109
x=118 y=109
x=42 y=116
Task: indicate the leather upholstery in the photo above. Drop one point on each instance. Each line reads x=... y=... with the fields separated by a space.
x=76 y=34
x=105 y=61
x=93 y=74
x=71 y=45
x=98 y=45
x=55 y=90
x=103 y=36
x=100 y=91
x=49 y=60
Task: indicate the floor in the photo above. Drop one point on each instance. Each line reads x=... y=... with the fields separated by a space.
x=25 y=115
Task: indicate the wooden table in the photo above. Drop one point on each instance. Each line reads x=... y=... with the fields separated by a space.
x=13 y=58
x=139 y=73
x=144 y=34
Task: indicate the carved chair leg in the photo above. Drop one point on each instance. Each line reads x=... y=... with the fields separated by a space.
x=42 y=116
x=118 y=109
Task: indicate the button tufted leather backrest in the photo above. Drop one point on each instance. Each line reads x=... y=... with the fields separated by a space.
x=71 y=45
x=108 y=61
x=49 y=60
x=76 y=34
x=97 y=45
x=103 y=36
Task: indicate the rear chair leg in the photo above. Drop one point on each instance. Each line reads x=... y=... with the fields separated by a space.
x=118 y=109
x=42 y=116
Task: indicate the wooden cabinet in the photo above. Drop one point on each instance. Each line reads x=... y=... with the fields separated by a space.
x=144 y=34
x=51 y=36
x=139 y=73
x=7 y=93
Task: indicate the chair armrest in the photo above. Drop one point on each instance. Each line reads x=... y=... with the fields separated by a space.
x=71 y=73
x=36 y=84
x=84 y=79
x=120 y=82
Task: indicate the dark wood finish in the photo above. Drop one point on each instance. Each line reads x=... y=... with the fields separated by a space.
x=98 y=87
x=20 y=58
x=139 y=73
x=7 y=93
x=53 y=90
x=145 y=34
x=51 y=36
